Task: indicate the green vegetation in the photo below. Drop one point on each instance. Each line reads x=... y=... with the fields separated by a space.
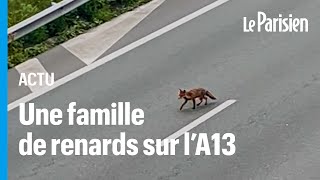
x=76 y=22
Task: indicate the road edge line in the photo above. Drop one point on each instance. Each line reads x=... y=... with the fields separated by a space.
x=117 y=53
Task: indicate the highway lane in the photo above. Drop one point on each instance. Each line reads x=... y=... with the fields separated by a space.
x=274 y=77
x=166 y=13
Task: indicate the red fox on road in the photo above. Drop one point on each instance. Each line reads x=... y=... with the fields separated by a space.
x=192 y=94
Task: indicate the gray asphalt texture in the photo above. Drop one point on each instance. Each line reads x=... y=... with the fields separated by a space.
x=60 y=62
x=274 y=76
x=168 y=12
x=14 y=90
x=57 y=60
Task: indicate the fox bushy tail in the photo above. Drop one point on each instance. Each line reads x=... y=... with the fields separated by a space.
x=210 y=95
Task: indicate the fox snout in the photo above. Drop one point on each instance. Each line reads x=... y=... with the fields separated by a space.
x=181 y=93
x=180 y=96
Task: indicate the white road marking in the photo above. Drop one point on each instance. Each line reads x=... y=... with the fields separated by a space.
x=117 y=53
x=91 y=45
x=32 y=66
x=200 y=120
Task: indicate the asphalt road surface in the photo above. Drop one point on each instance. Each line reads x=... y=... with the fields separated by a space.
x=275 y=78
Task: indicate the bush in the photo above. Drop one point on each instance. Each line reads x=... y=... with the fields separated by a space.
x=78 y=21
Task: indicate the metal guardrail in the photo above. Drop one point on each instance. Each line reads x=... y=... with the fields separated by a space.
x=42 y=18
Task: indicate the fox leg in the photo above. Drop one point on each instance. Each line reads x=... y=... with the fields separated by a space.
x=185 y=102
x=201 y=99
x=206 y=100
x=194 y=103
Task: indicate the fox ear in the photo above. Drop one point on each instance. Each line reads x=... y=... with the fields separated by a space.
x=180 y=90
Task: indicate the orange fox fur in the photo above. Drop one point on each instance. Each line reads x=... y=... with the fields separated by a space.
x=192 y=94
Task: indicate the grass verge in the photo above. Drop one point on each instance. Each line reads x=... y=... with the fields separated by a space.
x=76 y=22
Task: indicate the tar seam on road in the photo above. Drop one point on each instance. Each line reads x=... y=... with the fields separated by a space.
x=117 y=53
x=200 y=120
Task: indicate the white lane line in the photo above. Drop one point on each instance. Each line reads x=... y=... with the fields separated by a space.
x=201 y=119
x=117 y=53
x=89 y=46
x=33 y=66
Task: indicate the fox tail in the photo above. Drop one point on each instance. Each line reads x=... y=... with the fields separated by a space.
x=210 y=95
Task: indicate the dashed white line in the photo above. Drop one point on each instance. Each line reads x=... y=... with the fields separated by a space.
x=201 y=119
x=117 y=53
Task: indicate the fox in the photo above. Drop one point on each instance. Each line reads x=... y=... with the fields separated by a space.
x=192 y=94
